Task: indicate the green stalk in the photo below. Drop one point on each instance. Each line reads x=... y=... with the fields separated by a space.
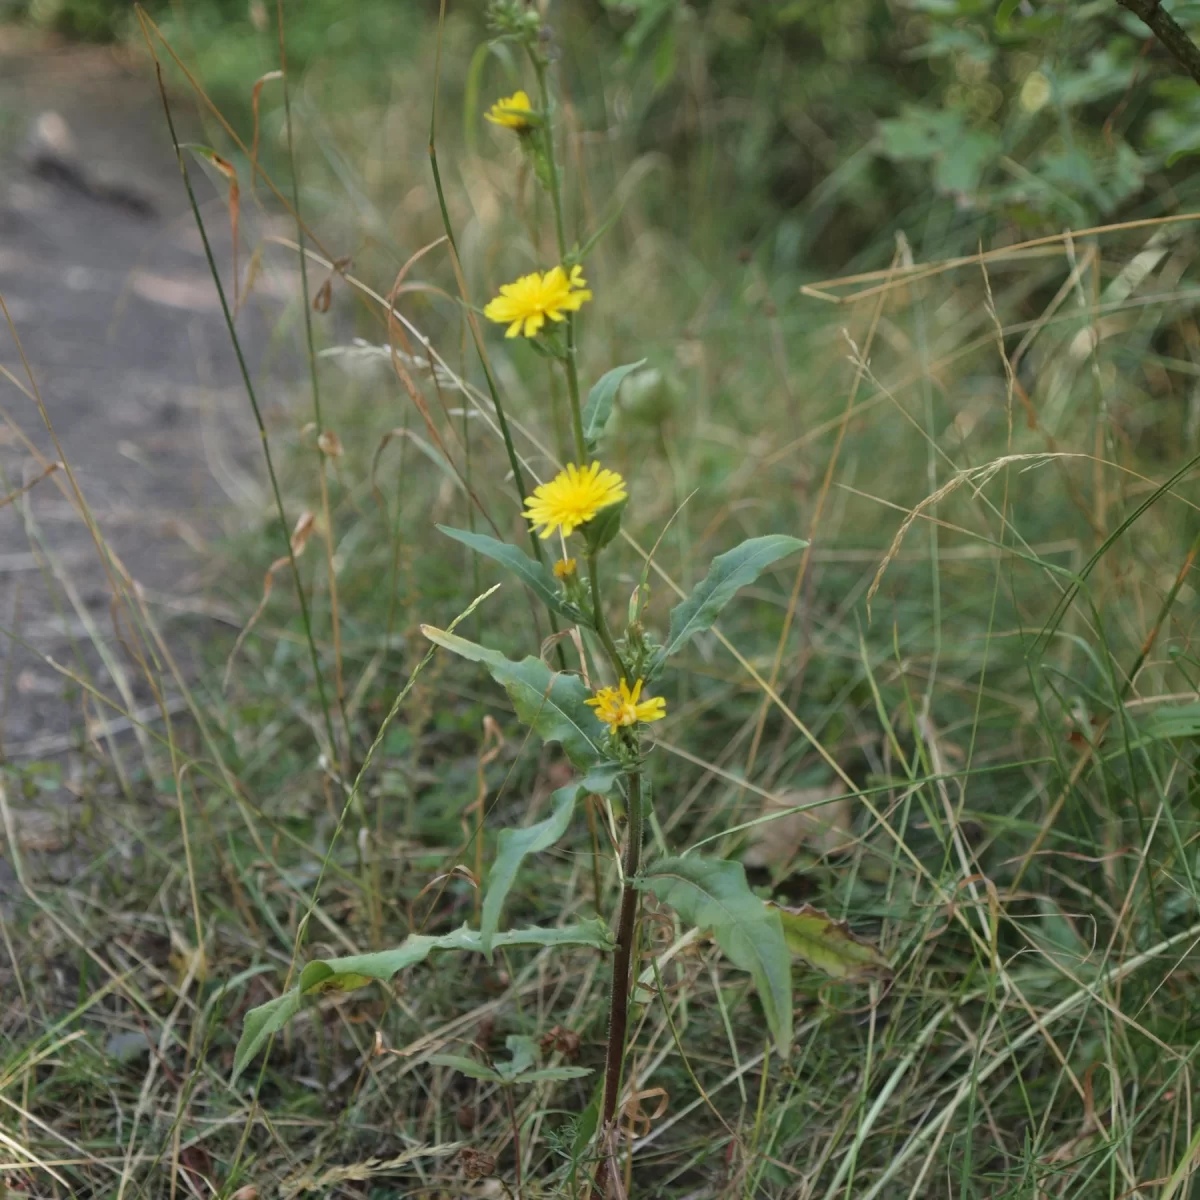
x=561 y=237
x=606 y=638
x=618 y=1022
x=539 y=67
x=569 y=363
x=501 y=419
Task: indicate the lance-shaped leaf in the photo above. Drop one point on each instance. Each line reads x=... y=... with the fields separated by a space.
x=713 y=894
x=535 y=575
x=603 y=527
x=514 y=844
x=260 y=1024
x=383 y=964
x=828 y=945
x=551 y=703
x=356 y=970
x=729 y=572
x=599 y=406
x=466 y=1066
x=1172 y=721
x=519 y=1069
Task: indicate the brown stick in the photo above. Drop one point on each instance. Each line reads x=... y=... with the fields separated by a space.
x=1169 y=32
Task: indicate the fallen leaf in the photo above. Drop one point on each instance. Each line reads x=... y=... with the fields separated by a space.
x=821 y=829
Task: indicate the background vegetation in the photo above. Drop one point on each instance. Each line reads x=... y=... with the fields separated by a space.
x=924 y=268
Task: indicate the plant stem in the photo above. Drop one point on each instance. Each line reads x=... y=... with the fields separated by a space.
x=539 y=67
x=573 y=393
x=618 y=1020
x=510 y=449
x=493 y=391
x=601 y=622
x=1169 y=32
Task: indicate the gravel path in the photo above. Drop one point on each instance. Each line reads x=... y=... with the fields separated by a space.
x=103 y=274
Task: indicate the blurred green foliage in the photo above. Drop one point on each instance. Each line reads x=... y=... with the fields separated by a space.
x=841 y=121
x=813 y=126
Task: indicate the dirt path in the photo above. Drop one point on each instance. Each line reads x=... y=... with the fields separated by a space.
x=103 y=274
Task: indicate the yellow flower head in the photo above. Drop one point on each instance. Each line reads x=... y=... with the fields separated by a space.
x=564 y=568
x=512 y=112
x=618 y=707
x=573 y=497
x=531 y=299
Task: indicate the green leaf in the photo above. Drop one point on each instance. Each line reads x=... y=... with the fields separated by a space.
x=961 y=167
x=585 y=1129
x=383 y=964
x=319 y=976
x=523 y=1054
x=260 y=1024
x=1172 y=721
x=599 y=406
x=1004 y=14
x=356 y=970
x=519 y=1069
x=713 y=894
x=466 y=1066
x=729 y=572
x=593 y=932
x=514 y=844
x=828 y=945
x=535 y=575
x=603 y=527
x=553 y=1074
x=551 y=703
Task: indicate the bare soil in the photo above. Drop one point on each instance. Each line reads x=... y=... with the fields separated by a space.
x=104 y=277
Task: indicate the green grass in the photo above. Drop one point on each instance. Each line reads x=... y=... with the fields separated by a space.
x=1022 y=810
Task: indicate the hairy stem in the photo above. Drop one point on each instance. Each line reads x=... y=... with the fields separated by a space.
x=539 y=66
x=561 y=239
x=573 y=393
x=510 y=449
x=493 y=391
x=601 y=622
x=1169 y=32
x=618 y=1019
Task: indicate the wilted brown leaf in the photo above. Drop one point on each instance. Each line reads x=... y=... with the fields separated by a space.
x=829 y=945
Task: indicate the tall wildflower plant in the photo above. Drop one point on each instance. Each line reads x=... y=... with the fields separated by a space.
x=603 y=713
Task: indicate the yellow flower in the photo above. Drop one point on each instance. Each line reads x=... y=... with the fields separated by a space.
x=622 y=707
x=564 y=568
x=512 y=112
x=574 y=496
x=532 y=298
